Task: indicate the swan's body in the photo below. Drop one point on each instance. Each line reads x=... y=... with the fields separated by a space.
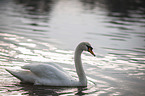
x=53 y=75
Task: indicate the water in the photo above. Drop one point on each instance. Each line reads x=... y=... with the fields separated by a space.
x=41 y=31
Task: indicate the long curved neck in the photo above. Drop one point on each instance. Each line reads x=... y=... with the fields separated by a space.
x=79 y=68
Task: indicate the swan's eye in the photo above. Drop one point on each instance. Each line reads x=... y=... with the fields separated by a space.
x=89 y=47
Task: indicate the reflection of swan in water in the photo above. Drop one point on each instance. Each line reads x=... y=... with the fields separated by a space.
x=47 y=90
x=52 y=75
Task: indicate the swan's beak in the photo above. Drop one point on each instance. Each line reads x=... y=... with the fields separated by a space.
x=90 y=50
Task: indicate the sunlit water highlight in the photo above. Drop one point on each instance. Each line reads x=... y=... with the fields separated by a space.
x=31 y=33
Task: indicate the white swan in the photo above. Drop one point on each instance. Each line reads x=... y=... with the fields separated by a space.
x=53 y=75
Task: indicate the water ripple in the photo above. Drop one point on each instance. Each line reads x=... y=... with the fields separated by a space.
x=31 y=33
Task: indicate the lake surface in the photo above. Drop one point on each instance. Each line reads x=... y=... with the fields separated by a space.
x=42 y=31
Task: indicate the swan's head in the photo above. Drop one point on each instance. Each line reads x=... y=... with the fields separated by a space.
x=85 y=46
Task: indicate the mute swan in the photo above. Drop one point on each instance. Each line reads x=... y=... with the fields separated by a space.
x=53 y=75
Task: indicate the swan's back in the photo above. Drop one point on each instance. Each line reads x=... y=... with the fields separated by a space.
x=44 y=74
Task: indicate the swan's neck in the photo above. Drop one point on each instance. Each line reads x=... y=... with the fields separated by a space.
x=79 y=68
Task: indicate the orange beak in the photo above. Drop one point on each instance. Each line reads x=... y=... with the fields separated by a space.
x=90 y=50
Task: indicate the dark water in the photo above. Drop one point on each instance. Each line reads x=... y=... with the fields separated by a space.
x=41 y=31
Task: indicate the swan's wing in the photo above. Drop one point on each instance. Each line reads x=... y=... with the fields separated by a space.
x=47 y=71
x=56 y=65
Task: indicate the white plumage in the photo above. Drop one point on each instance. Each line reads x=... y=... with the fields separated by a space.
x=52 y=74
